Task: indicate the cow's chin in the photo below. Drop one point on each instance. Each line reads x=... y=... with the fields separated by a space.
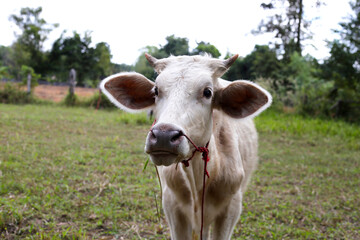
x=165 y=158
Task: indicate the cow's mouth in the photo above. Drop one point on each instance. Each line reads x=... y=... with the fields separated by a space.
x=164 y=158
x=162 y=154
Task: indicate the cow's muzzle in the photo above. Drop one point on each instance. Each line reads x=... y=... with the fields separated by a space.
x=166 y=144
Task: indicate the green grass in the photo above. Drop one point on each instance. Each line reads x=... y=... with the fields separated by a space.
x=76 y=173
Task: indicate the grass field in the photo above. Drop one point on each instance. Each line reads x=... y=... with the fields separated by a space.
x=76 y=173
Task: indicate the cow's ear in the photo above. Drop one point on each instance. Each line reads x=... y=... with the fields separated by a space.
x=131 y=92
x=219 y=67
x=242 y=99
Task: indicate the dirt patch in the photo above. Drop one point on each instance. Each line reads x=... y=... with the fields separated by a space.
x=58 y=93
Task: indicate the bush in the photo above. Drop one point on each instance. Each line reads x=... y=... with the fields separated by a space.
x=71 y=100
x=25 y=71
x=11 y=93
x=75 y=101
x=94 y=101
x=313 y=98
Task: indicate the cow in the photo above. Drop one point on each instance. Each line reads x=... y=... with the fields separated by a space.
x=203 y=128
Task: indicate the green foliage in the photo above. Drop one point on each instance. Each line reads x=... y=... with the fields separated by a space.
x=28 y=47
x=203 y=47
x=288 y=24
x=176 y=46
x=5 y=58
x=76 y=52
x=142 y=65
x=25 y=71
x=262 y=62
x=122 y=68
x=351 y=30
x=103 y=59
x=9 y=93
x=19 y=56
x=311 y=93
x=341 y=66
x=95 y=102
x=343 y=69
x=4 y=72
x=71 y=100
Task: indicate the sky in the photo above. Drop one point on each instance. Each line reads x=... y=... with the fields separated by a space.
x=130 y=25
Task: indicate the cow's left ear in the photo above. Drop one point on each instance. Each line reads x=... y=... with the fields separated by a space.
x=131 y=92
x=241 y=99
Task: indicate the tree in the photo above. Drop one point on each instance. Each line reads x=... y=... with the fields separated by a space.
x=4 y=73
x=343 y=67
x=176 y=46
x=5 y=62
x=288 y=24
x=74 y=52
x=116 y=68
x=142 y=65
x=25 y=71
x=103 y=59
x=5 y=53
x=351 y=30
x=34 y=31
x=261 y=62
x=203 y=47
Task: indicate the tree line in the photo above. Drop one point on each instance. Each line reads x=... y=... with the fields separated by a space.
x=328 y=88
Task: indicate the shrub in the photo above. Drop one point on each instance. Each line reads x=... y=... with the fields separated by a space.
x=25 y=71
x=71 y=100
x=11 y=93
x=94 y=101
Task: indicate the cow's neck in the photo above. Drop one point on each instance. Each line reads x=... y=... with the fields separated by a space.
x=194 y=173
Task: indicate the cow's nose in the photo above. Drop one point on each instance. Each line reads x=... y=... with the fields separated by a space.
x=165 y=137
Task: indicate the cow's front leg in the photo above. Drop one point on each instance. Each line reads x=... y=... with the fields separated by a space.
x=180 y=226
x=226 y=221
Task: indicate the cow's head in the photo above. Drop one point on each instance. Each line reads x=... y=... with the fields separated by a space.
x=182 y=98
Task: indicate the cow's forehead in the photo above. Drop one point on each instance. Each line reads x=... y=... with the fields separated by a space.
x=188 y=70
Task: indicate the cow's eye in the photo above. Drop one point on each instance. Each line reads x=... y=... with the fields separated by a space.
x=156 y=91
x=207 y=93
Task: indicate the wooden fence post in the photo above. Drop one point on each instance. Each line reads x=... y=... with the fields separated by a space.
x=29 y=83
x=72 y=81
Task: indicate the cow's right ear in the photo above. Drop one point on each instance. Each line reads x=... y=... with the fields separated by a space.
x=131 y=92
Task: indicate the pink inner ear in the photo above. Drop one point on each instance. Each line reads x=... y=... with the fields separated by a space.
x=132 y=91
x=240 y=99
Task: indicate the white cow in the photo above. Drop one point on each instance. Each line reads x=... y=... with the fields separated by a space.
x=191 y=103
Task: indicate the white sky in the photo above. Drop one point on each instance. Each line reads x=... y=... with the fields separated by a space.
x=128 y=26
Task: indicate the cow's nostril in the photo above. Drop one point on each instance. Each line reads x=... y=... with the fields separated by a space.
x=152 y=134
x=177 y=136
x=153 y=137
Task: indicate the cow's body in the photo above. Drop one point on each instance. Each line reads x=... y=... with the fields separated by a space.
x=233 y=157
x=190 y=100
